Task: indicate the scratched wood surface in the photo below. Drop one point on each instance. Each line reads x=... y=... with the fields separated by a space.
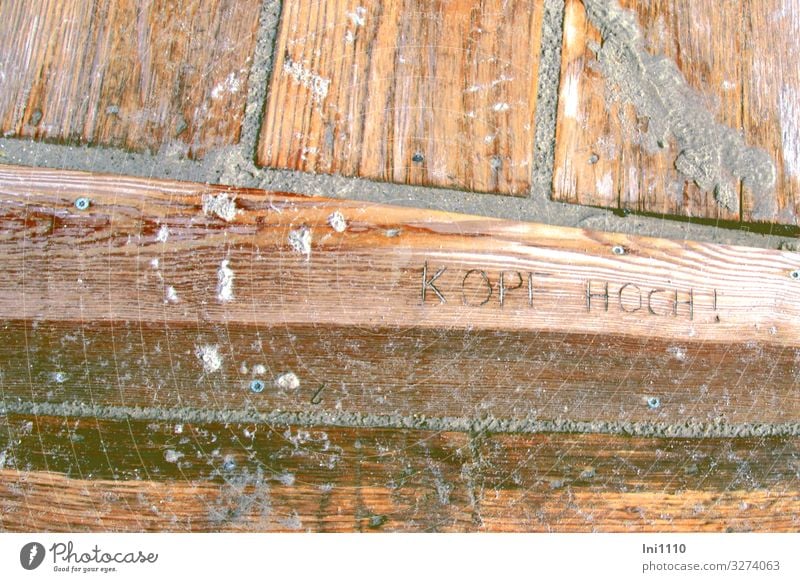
x=175 y=340
x=742 y=67
x=167 y=475
x=126 y=73
x=436 y=93
x=399 y=372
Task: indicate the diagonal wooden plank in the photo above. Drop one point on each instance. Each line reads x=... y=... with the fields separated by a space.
x=436 y=93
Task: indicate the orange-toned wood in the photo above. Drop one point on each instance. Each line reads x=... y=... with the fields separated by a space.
x=125 y=73
x=250 y=360
x=174 y=295
x=436 y=93
x=743 y=73
x=78 y=474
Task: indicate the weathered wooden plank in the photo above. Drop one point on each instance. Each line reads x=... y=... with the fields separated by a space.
x=278 y=261
x=79 y=474
x=126 y=73
x=650 y=152
x=771 y=100
x=611 y=483
x=437 y=93
x=167 y=476
x=143 y=300
x=398 y=373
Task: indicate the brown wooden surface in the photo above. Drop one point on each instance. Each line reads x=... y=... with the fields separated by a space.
x=742 y=66
x=119 y=395
x=86 y=299
x=108 y=264
x=157 y=475
x=126 y=73
x=400 y=372
x=436 y=93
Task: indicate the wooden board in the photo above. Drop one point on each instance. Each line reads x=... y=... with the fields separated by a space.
x=165 y=476
x=743 y=70
x=436 y=93
x=398 y=373
x=126 y=73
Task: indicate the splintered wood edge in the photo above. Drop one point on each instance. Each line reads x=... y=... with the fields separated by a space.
x=407 y=267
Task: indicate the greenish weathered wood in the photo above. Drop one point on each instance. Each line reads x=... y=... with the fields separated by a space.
x=381 y=373
x=77 y=473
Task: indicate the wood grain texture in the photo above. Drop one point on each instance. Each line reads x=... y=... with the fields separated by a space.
x=126 y=73
x=398 y=373
x=107 y=263
x=124 y=476
x=771 y=101
x=173 y=307
x=437 y=93
x=71 y=474
x=743 y=69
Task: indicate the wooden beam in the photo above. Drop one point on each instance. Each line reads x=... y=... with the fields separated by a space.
x=397 y=374
x=172 y=295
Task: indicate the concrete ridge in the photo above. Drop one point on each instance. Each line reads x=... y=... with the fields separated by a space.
x=689 y=429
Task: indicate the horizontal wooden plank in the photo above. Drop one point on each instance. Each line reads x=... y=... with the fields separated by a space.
x=610 y=483
x=610 y=150
x=173 y=295
x=398 y=373
x=273 y=259
x=127 y=73
x=77 y=474
x=437 y=93
x=124 y=476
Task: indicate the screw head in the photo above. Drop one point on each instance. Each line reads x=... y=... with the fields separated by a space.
x=257 y=386
x=418 y=158
x=82 y=203
x=654 y=402
x=618 y=250
x=795 y=275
